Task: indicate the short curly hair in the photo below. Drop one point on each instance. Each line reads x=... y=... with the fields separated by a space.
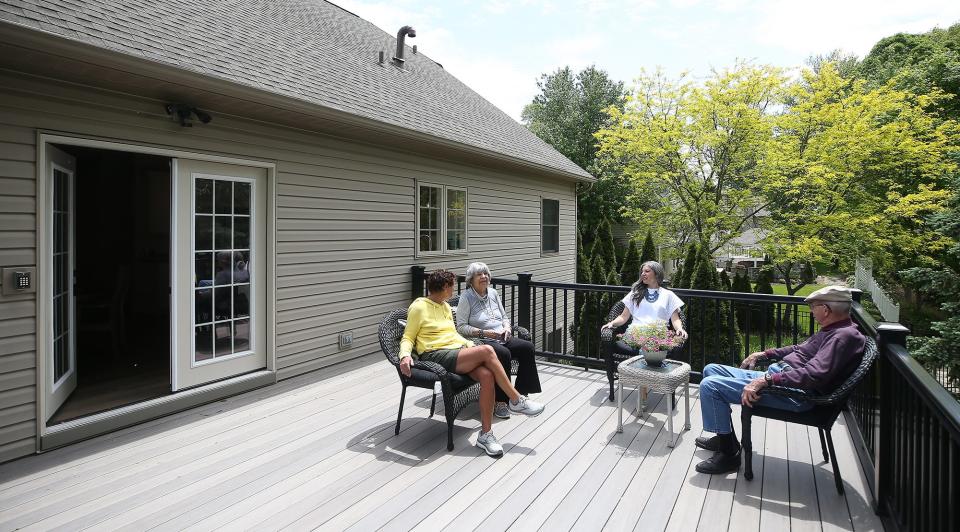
x=440 y=279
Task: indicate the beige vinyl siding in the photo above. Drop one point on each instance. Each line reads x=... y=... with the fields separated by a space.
x=345 y=224
x=17 y=313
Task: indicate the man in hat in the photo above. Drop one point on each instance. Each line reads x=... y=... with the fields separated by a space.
x=821 y=363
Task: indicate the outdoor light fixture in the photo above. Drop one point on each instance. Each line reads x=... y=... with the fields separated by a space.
x=183 y=112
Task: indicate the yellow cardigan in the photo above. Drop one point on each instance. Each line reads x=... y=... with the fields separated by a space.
x=430 y=327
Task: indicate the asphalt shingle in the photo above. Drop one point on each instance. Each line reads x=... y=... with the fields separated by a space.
x=309 y=50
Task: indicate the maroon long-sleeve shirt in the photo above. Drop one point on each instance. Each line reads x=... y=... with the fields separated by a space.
x=823 y=361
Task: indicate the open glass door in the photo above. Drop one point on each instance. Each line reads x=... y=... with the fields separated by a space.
x=219 y=283
x=60 y=367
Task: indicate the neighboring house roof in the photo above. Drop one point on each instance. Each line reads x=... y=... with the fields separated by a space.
x=308 y=50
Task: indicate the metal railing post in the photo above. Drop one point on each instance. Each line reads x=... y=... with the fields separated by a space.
x=417 y=277
x=887 y=334
x=523 y=300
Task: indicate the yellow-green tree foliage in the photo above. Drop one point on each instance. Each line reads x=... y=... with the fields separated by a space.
x=853 y=172
x=693 y=149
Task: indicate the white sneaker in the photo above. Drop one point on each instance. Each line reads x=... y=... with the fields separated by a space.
x=501 y=411
x=526 y=406
x=488 y=442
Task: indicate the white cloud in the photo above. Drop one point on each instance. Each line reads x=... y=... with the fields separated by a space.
x=819 y=26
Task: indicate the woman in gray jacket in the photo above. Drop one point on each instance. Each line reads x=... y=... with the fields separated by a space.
x=480 y=315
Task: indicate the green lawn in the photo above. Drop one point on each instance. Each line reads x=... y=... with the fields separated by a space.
x=781 y=289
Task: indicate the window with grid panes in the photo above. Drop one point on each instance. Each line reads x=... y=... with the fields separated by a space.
x=222 y=292
x=441 y=219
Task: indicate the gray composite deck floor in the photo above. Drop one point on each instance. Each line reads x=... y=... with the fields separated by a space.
x=318 y=451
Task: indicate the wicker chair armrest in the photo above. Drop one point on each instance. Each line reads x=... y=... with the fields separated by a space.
x=432 y=367
x=606 y=335
x=803 y=395
x=522 y=333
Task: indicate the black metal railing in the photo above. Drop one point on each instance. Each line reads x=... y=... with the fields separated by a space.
x=907 y=429
x=725 y=326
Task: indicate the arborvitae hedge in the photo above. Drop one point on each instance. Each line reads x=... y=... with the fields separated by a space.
x=765 y=313
x=649 y=249
x=714 y=340
x=630 y=271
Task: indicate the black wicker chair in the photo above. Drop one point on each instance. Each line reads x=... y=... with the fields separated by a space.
x=821 y=416
x=458 y=390
x=608 y=339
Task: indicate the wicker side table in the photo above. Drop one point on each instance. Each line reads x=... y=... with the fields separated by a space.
x=666 y=379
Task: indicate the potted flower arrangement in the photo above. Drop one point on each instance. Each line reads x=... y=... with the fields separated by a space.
x=653 y=340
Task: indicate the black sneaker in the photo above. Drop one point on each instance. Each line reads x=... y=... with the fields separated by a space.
x=720 y=463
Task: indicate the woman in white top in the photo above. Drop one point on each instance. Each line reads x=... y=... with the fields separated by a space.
x=648 y=302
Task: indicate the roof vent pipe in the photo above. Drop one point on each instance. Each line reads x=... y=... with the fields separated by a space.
x=404 y=32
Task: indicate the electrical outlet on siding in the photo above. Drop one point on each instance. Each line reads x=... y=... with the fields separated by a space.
x=346 y=339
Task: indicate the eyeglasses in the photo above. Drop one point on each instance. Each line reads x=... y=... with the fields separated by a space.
x=814 y=305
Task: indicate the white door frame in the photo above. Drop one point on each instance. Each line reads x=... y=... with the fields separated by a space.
x=45 y=260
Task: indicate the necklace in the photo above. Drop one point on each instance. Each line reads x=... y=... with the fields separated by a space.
x=652 y=295
x=489 y=306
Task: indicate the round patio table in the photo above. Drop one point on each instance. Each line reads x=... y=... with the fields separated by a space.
x=664 y=379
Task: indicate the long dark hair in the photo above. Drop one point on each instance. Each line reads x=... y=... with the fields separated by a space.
x=639 y=288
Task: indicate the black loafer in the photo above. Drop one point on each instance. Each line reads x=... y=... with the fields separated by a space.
x=710 y=444
x=720 y=463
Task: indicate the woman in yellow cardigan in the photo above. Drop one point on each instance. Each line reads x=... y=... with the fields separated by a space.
x=431 y=332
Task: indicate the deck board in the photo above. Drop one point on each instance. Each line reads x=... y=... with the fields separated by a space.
x=318 y=451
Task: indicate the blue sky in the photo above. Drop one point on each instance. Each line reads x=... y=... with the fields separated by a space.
x=499 y=48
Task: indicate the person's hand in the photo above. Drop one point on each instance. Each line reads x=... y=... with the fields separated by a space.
x=507 y=333
x=751 y=392
x=682 y=333
x=608 y=325
x=405 y=364
x=751 y=361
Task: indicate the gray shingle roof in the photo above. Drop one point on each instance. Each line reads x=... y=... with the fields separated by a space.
x=309 y=50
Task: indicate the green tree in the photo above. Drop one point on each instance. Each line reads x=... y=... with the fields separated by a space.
x=941 y=284
x=725 y=283
x=716 y=340
x=630 y=271
x=851 y=170
x=566 y=113
x=587 y=338
x=688 y=267
x=694 y=150
x=763 y=314
x=741 y=283
x=919 y=63
x=583 y=277
x=649 y=249
x=606 y=247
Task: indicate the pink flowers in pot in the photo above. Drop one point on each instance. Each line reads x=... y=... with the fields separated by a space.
x=650 y=337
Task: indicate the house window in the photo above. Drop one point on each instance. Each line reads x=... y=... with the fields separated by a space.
x=441 y=219
x=549 y=226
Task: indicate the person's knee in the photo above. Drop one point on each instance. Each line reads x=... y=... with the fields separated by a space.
x=522 y=349
x=708 y=386
x=712 y=369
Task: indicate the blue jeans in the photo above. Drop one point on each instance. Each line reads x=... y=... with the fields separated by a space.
x=723 y=385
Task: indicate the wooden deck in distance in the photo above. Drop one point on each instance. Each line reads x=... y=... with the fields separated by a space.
x=318 y=452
